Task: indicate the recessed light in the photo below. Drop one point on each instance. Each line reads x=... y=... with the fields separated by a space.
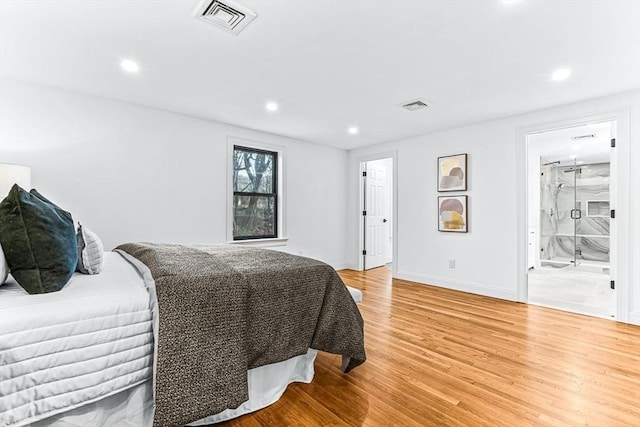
x=560 y=74
x=130 y=66
x=271 y=106
x=353 y=130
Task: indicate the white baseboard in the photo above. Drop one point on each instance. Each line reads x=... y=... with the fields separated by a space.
x=343 y=266
x=459 y=285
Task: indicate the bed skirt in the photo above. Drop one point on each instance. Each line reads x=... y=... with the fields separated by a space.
x=134 y=407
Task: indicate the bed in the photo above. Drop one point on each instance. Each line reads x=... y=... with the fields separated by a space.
x=88 y=354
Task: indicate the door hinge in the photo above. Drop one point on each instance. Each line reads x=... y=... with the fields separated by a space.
x=364 y=173
x=364 y=252
x=613 y=143
x=613 y=284
x=364 y=213
x=613 y=213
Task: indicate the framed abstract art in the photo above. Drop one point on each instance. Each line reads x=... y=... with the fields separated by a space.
x=452 y=213
x=452 y=173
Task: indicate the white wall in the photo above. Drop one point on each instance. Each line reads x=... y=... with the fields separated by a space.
x=488 y=258
x=139 y=174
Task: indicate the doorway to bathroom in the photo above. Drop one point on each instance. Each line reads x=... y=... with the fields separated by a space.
x=569 y=220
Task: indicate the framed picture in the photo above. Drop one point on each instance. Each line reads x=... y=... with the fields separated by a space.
x=452 y=213
x=452 y=173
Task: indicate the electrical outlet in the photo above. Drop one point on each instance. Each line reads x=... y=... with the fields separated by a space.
x=452 y=263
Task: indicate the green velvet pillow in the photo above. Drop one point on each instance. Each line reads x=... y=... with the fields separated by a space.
x=39 y=241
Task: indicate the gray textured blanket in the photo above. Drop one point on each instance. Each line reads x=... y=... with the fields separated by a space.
x=225 y=309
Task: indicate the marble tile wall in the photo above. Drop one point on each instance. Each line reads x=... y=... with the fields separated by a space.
x=585 y=188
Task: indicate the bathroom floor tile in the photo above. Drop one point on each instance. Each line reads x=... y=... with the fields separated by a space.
x=572 y=289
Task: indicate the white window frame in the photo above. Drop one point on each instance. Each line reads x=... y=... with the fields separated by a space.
x=281 y=239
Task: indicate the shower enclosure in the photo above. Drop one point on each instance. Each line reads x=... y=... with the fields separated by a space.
x=574 y=214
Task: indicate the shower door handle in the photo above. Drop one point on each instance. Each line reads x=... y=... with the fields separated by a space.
x=576 y=214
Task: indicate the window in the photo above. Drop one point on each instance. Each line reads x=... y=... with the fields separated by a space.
x=255 y=193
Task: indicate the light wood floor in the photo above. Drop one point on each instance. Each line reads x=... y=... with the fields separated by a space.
x=444 y=358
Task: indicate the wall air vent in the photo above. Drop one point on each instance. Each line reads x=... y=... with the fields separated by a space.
x=578 y=138
x=227 y=14
x=417 y=104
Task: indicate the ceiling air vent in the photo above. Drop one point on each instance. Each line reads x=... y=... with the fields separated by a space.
x=577 y=138
x=418 y=104
x=227 y=15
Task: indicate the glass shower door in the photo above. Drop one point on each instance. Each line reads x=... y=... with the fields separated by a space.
x=575 y=214
x=569 y=213
x=561 y=212
x=593 y=220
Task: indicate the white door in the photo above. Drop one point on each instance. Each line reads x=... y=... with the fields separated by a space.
x=377 y=208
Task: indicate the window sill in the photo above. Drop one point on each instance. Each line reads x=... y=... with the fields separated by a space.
x=261 y=243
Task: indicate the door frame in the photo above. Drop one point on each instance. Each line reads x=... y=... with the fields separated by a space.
x=620 y=164
x=394 y=208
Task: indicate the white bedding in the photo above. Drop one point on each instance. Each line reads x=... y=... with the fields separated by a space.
x=134 y=407
x=84 y=355
x=65 y=349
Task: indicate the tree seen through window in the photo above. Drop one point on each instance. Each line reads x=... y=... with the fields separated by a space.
x=254 y=193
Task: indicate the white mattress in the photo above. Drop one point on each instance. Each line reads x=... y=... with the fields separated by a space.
x=356 y=294
x=134 y=407
x=64 y=349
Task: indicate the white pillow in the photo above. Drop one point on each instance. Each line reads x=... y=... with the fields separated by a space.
x=90 y=251
x=4 y=267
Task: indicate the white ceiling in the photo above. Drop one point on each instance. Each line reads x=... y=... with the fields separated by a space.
x=330 y=64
